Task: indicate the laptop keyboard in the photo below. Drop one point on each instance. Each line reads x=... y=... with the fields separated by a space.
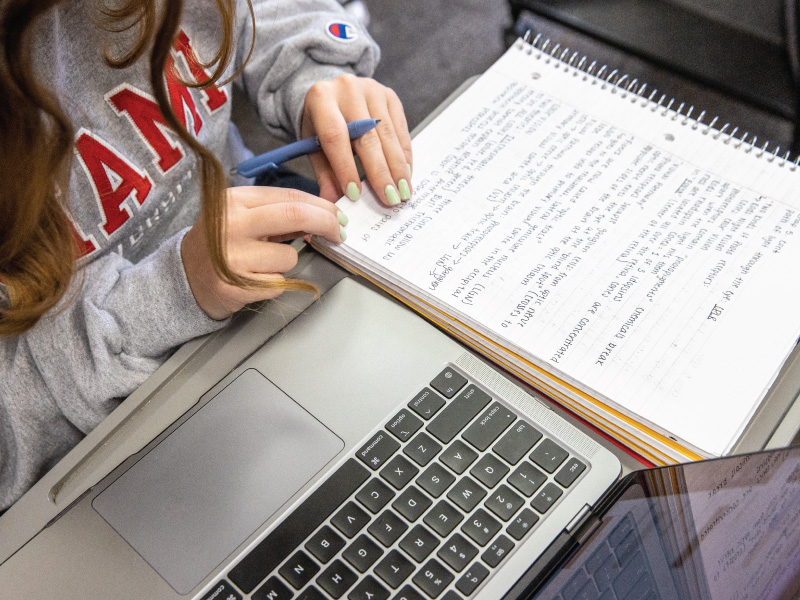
x=617 y=570
x=428 y=507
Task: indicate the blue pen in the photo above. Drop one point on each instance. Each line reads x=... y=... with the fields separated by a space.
x=270 y=160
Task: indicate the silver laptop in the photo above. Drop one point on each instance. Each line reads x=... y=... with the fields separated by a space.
x=356 y=452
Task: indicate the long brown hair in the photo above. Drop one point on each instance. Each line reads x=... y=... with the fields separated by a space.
x=38 y=247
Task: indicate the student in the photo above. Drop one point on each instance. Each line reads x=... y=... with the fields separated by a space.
x=119 y=237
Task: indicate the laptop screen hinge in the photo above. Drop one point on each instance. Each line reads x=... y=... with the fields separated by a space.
x=579 y=519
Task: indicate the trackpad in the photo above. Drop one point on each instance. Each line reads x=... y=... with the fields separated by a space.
x=204 y=489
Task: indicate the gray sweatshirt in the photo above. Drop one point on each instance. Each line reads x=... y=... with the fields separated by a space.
x=133 y=194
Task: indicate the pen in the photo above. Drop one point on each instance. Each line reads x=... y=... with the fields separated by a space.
x=270 y=160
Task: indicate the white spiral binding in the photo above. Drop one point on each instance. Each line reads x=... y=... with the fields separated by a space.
x=621 y=84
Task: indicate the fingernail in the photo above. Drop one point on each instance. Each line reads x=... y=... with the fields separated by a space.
x=342 y=233
x=343 y=220
x=352 y=191
x=391 y=195
x=405 y=191
x=409 y=169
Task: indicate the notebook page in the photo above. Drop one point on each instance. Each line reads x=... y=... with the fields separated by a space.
x=624 y=251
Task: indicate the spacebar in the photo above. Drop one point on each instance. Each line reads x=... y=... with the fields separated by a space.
x=300 y=524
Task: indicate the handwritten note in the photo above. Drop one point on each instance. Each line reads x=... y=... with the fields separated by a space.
x=627 y=252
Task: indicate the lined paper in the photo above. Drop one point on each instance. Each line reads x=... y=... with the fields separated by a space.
x=627 y=250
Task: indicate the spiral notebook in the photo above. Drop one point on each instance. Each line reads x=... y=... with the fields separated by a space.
x=628 y=255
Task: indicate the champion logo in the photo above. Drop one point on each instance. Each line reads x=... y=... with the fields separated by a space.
x=343 y=32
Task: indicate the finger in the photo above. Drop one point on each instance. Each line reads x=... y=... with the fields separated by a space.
x=255 y=196
x=370 y=150
x=398 y=118
x=326 y=179
x=281 y=219
x=395 y=138
x=330 y=126
x=253 y=257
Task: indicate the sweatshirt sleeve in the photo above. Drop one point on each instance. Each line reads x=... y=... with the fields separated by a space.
x=61 y=378
x=297 y=43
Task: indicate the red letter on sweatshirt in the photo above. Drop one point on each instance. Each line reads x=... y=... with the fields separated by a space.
x=85 y=245
x=149 y=123
x=101 y=163
x=215 y=97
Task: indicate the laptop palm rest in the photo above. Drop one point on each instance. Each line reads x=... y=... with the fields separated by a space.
x=194 y=498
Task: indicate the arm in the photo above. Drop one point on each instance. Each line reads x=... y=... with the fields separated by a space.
x=61 y=378
x=307 y=81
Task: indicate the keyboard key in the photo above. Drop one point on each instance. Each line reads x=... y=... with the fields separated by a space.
x=489 y=425
x=399 y=471
x=606 y=572
x=458 y=413
x=419 y=543
x=516 y=442
x=443 y=518
x=403 y=425
x=378 y=450
x=368 y=589
x=427 y=403
x=451 y=595
x=222 y=591
x=458 y=456
x=457 y=552
x=570 y=472
x=522 y=524
x=527 y=479
x=574 y=584
x=325 y=544
x=412 y=503
x=394 y=569
x=297 y=526
x=470 y=580
x=422 y=449
x=466 y=494
x=489 y=470
x=362 y=553
x=630 y=575
x=644 y=589
x=620 y=532
x=299 y=569
x=504 y=502
x=337 y=579
x=546 y=498
x=549 y=455
x=448 y=382
x=311 y=593
x=433 y=578
x=350 y=519
x=408 y=593
x=375 y=495
x=481 y=527
x=497 y=551
x=388 y=528
x=435 y=480
x=273 y=589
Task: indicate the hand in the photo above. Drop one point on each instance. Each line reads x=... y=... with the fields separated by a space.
x=385 y=152
x=258 y=219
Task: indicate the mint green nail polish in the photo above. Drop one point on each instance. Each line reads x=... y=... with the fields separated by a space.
x=391 y=195
x=405 y=191
x=343 y=220
x=342 y=233
x=352 y=191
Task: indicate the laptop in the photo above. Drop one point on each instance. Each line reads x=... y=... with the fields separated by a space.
x=359 y=453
